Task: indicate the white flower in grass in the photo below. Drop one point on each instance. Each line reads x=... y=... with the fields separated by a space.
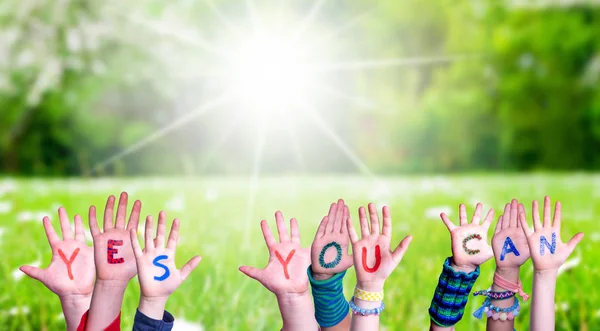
x=563 y=306
x=211 y=194
x=7 y=186
x=31 y=216
x=570 y=264
x=18 y=274
x=24 y=310
x=183 y=325
x=595 y=237
x=5 y=207
x=434 y=212
x=177 y=203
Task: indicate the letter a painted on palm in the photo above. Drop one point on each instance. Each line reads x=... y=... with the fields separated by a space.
x=508 y=247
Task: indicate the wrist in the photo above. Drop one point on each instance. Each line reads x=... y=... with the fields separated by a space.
x=545 y=273
x=464 y=267
x=292 y=299
x=153 y=307
x=370 y=286
x=111 y=285
x=510 y=274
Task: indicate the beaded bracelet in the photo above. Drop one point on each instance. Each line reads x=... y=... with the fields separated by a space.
x=497 y=313
x=495 y=295
x=365 y=312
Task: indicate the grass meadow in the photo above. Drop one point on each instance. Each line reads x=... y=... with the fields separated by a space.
x=221 y=223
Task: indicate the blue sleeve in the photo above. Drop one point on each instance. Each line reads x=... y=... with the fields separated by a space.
x=145 y=323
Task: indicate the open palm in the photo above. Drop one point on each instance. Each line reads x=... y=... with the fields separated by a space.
x=71 y=270
x=155 y=280
x=470 y=246
x=286 y=270
x=508 y=233
x=112 y=248
x=332 y=234
x=550 y=252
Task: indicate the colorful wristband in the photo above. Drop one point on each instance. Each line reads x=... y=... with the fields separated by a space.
x=451 y=295
x=365 y=312
x=328 y=295
x=367 y=296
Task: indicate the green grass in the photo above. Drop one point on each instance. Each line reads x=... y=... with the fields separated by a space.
x=217 y=225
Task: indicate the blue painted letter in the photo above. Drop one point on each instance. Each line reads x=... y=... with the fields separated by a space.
x=508 y=247
x=544 y=243
x=160 y=265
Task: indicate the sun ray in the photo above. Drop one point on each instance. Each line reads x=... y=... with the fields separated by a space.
x=254 y=180
x=185 y=119
x=397 y=62
x=223 y=18
x=253 y=16
x=328 y=37
x=312 y=13
x=296 y=146
x=222 y=139
x=318 y=120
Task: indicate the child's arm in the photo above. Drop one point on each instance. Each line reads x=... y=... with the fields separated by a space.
x=70 y=274
x=115 y=263
x=157 y=273
x=285 y=275
x=470 y=249
x=330 y=260
x=374 y=262
x=511 y=252
x=548 y=253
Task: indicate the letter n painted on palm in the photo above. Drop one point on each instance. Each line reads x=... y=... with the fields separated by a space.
x=544 y=243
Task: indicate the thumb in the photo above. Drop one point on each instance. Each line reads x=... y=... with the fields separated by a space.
x=251 y=272
x=398 y=253
x=574 y=241
x=33 y=272
x=189 y=267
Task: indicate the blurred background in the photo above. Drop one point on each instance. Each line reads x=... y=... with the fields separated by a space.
x=231 y=109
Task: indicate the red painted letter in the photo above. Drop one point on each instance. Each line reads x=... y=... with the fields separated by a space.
x=377 y=259
x=111 y=251
x=286 y=262
x=69 y=262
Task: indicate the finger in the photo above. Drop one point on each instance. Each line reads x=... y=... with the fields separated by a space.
x=374 y=219
x=498 y=225
x=351 y=232
x=294 y=230
x=122 y=211
x=331 y=218
x=50 y=233
x=134 y=217
x=521 y=211
x=79 y=233
x=281 y=228
x=398 y=253
x=537 y=224
x=572 y=244
x=65 y=226
x=93 y=221
x=463 y=215
x=135 y=244
x=387 y=222
x=488 y=219
x=557 y=215
x=173 y=235
x=547 y=212
x=514 y=213
x=148 y=235
x=161 y=229
x=477 y=214
x=364 y=224
x=33 y=272
x=251 y=272
x=339 y=216
x=344 y=228
x=526 y=230
x=187 y=268
x=269 y=239
x=506 y=223
x=108 y=213
x=447 y=222
x=321 y=230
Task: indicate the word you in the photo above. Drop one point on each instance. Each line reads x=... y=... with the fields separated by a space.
x=157 y=263
x=377 y=259
x=111 y=251
x=544 y=243
x=469 y=238
x=337 y=259
x=285 y=262
x=68 y=261
x=508 y=247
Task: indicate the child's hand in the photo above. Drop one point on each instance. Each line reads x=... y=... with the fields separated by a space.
x=157 y=272
x=285 y=272
x=470 y=247
x=112 y=248
x=547 y=249
x=373 y=259
x=333 y=234
x=71 y=271
x=509 y=242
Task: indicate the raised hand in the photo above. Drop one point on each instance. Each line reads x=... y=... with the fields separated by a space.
x=157 y=272
x=112 y=248
x=71 y=270
x=509 y=243
x=373 y=259
x=329 y=250
x=470 y=246
x=548 y=252
x=286 y=270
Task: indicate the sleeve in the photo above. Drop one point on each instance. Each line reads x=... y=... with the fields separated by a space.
x=145 y=323
x=114 y=326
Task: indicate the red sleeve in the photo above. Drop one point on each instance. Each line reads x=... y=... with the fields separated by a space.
x=114 y=326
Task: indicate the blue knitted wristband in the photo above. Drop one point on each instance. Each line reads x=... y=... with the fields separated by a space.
x=451 y=295
x=330 y=305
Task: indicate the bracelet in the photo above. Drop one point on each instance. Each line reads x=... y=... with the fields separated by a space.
x=497 y=313
x=367 y=296
x=517 y=288
x=451 y=295
x=365 y=312
x=495 y=295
